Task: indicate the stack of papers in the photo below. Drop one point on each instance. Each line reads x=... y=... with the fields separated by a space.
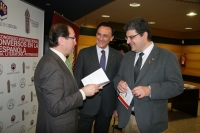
x=97 y=77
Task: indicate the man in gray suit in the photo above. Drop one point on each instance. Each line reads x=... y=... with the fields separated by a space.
x=158 y=80
x=57 y=91
x=101 y=106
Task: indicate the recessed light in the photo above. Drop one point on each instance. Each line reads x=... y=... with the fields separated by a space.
x=134 y=4
x=48 y=4
x=151 y=22
x=191 y=14
x=188 y=28
x=105 y=16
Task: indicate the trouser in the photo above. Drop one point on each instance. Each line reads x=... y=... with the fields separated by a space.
x=132 y=126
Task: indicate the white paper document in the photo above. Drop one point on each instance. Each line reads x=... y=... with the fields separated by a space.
x=126 y=98
x=97 y=77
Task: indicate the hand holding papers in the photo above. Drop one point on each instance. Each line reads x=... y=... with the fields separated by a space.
x=126 y=98
x=97 y=77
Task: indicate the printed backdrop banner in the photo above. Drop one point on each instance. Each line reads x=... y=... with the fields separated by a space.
x=21 y=47
x=58 y=18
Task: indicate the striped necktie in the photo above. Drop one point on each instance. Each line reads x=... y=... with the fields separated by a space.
x=138 y=66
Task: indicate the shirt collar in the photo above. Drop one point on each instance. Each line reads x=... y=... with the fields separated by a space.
x=148 y=49
x=59 y=54
x=99 y=49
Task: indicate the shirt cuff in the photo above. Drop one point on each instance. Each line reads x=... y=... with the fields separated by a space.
x=150 y=90
x=83 y=94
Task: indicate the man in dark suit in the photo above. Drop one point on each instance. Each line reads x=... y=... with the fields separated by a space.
x=158 y=80
x=57 y=91
x=101 y=106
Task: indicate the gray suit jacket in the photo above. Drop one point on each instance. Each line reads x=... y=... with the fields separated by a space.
x=58 y=96
x=87 y=62
x=162 y=72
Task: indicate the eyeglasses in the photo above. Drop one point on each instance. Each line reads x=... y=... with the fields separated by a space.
x=73 y=38
x=131 y=37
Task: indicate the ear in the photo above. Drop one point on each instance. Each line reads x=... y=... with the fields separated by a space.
x=60 y=40
x=111 y=38
x=145 y=34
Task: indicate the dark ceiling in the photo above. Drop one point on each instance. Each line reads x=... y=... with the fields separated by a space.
x=70 y=9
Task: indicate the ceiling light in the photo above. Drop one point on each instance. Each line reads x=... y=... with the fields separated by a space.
x=151 y=22
x=188 y=28
x=105 y=16
x=191 y=14
x=134 y=4
x=48 y=4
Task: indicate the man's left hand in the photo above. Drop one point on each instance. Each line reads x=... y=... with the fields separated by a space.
x=141 y=91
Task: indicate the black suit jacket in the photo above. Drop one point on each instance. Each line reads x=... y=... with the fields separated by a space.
x=87 y=63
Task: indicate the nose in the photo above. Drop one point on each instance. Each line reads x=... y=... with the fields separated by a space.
x=75 y=42
x=128 y=40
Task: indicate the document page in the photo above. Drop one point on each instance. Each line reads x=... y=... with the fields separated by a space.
x=126 y=98
x=97 y=77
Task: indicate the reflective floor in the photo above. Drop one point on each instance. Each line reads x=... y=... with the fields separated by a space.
x=178 y=122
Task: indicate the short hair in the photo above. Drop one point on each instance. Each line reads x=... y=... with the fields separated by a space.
x=58 y=30
x=106 y=24
x=124 y=47
x=140 y=25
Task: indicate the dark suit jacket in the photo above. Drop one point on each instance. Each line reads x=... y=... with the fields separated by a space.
x=162 y=72
x=87 y=63
x=58 y=96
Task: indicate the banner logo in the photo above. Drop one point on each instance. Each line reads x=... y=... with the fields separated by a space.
x=32 y=79
x=1 y=126
x=23 y=97
x=23 y=67
x=22 y=115
x=31 y=122
x=27 y=20
x=11 y=104
x=22 y=83
x=3 y=11
x=8 y=86
x=22 y=129
x=34 y=66
x=34 y=109
x=13 y=118
x=1 y=69
x=31 y=96
x=13 y=67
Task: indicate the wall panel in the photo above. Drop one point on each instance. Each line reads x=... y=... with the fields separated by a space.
x=85 y=41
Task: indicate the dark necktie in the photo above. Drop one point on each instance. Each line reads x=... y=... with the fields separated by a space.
x=103 y=60
x=138 y=66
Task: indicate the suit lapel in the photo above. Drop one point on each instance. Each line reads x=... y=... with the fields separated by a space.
x=111 y=56
x=149 y=62
x=94 y=57
x=63 y=66
x=132 y=65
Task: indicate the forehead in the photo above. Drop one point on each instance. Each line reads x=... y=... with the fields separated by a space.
x=104 y=30
x=71 y=31
x=130 y=32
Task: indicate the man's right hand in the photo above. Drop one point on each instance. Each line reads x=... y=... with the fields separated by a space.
x=122 y=86
x=90 y=89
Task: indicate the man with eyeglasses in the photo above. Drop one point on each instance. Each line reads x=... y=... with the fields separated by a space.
x=99 y=108
x=58 y=94
x=153 y=75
